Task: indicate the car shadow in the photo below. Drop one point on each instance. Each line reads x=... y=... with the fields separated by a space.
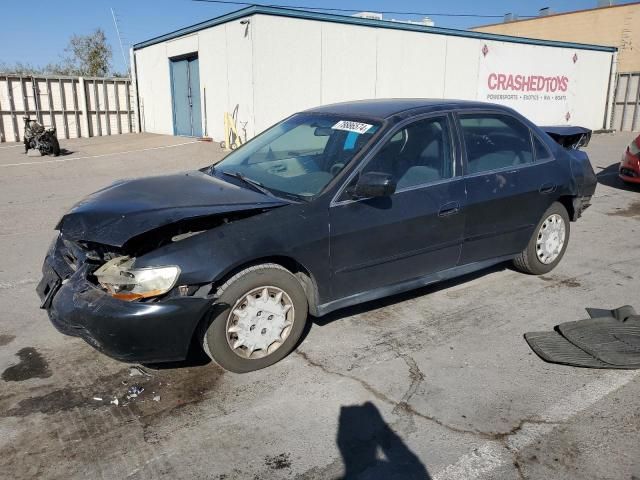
x=609 y=177
x=196 y=357
x=401 y=297
x=371 y=449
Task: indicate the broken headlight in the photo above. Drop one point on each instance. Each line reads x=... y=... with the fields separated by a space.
x=119 y=277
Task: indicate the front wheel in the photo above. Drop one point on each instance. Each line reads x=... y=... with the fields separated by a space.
x=262 y=316
x=548 y=243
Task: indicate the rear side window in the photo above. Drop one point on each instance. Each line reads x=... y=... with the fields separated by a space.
x=542 y=152
x=495 y=141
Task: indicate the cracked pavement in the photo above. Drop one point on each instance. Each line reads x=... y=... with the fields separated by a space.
x=436 y=383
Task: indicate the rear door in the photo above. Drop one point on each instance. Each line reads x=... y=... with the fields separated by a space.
x=508 y=189
x=418 y=230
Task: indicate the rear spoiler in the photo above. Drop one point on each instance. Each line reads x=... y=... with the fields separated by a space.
x=569 y=137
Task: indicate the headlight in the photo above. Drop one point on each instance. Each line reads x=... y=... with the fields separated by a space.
x=124 y=282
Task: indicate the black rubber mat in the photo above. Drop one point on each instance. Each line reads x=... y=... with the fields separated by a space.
x=554 y=348
x=610 y=339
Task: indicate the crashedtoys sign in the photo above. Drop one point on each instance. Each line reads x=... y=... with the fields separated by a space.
x=541 y=83
x=527 y=83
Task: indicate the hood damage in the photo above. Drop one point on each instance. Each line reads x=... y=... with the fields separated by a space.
x=140 y=215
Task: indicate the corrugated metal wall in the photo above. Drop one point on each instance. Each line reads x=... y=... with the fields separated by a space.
x=76 y=106
x=626 y=105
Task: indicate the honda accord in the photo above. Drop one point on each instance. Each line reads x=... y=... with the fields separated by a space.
x=333 y=206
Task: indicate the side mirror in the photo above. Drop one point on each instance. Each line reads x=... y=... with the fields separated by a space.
x=374 y=184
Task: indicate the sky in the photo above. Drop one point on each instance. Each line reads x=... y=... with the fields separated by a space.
x=41 y=38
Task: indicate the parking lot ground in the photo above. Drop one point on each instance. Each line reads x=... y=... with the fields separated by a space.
x=436 y=383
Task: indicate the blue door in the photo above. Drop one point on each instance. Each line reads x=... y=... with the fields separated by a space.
x=185 y=92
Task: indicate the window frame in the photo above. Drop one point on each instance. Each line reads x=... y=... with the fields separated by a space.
x=463 y=143
x=535 y=136
x=446 y=115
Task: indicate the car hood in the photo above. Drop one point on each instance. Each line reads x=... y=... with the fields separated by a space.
x=126 y=209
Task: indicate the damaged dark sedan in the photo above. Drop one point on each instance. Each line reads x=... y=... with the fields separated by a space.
x=331 y=207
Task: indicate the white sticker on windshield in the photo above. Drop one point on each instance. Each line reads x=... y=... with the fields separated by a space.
x=350 y=126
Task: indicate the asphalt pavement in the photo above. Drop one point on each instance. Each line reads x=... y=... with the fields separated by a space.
x=436 y=383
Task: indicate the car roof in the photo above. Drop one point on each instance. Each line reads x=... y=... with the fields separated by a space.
x=387 y=107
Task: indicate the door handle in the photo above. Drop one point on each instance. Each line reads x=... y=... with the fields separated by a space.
x=547 y=188
x=448 y=209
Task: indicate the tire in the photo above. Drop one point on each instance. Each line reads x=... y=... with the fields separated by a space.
x=529 y=261
x=54 y=146
x=216 y=339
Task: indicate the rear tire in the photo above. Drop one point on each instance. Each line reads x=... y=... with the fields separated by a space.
x=54 y=148
x=218 y=341
x=534 y=259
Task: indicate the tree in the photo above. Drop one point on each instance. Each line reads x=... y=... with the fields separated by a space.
x=87 y=55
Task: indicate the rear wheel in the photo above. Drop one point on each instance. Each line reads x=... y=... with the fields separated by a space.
x=264 y=314
x=548 y=243
x=54 y=146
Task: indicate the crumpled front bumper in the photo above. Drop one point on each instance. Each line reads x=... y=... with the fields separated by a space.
x=129 y=331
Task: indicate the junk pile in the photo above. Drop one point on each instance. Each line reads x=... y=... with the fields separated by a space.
x=134 y=392
x=607 y=339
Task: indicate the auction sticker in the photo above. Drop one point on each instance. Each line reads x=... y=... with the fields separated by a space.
x=350 y=126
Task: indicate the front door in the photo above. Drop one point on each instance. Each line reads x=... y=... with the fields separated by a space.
x=418 y=230
x=185 y=91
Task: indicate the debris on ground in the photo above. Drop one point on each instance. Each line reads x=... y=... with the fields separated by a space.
x=97 y=399
x=156 y=398
x=134 y=391
x=115 y=402
x=136 y=371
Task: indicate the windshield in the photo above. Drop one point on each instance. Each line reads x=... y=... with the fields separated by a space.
x=300 y=155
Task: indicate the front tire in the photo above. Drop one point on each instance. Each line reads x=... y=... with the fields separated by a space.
x=547 y=244
x=261 y=314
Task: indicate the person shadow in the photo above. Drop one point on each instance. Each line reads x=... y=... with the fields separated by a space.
x=371 y=450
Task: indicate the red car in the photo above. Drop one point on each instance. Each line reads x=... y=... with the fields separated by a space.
x=630 y=164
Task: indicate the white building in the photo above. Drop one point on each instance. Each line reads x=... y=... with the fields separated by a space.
x=271 y=62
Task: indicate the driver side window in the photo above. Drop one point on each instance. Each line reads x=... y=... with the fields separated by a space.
x=419 y=153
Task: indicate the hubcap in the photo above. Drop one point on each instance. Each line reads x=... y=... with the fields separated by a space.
x=260 y=322
x=550 y=239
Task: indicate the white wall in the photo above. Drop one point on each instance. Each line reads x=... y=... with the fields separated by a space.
x=226 y=73
x=356 y=62
x=154 y=89
x=275 y=66
x=288 y=75
x=586 y=73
